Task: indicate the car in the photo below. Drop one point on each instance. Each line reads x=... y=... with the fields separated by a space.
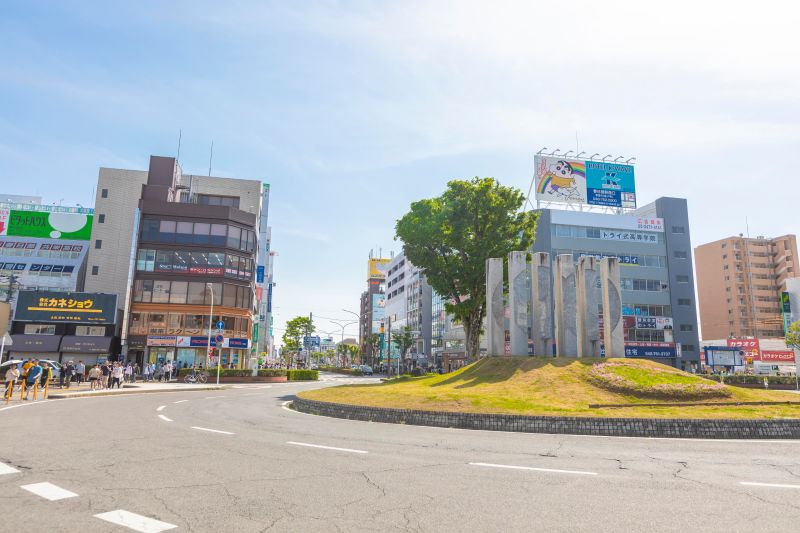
x=366 y=370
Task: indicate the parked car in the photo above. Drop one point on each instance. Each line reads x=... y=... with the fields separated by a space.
x=366 y=370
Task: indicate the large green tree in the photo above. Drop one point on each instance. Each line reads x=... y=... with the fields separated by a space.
x=450 y=237
x=296 y=329
x=403 y=339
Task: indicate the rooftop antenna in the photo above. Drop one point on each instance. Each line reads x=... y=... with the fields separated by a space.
x=178 y=157
x=747 y=227
x=210 y=157
x=577 y=144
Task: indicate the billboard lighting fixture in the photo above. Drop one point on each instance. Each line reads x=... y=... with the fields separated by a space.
x=568 y=152
x=540 y=152
x=617 y=159
x=556 y=151
x=607 y=156
x=628 y=161
x=580 y=155
x=593 y=156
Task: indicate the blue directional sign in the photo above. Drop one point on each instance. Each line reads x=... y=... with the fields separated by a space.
x=220 y=325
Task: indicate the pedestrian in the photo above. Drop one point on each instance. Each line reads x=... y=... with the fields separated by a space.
x=47 y=374
x=95 y=375
x=136 y=371
x=12 y=375
x=67 y=372
x=128 y=372
x=105 y=372
x=34 y=372
x=117 y=374
x=80 y=371
x=25 y=367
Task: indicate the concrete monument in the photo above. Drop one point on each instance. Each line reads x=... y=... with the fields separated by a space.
x=541 y=304
x=613 y=334
x=518 y=295
x=588 y=313
x=495 y=319
x=565 y=306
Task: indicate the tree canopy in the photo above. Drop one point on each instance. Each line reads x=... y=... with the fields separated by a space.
x=450 y=237
x=296 y=329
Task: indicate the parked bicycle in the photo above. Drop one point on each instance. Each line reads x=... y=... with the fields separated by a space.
x=196 y=377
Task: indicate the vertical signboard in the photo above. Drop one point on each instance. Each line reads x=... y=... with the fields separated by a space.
x=786 y=311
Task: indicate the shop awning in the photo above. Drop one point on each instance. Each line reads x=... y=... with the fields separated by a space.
x=35 y=343
x=73 y=344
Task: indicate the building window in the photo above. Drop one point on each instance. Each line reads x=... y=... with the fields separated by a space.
x=689 y=347
x=90 y=331
x=98 y=244
x=101 y=219
x=682 y=279
x=95 y=270
x=104 y=193
x=40 y=329
x=678 y=229
x=680 y=255
x=687 y=327
x=684 y=301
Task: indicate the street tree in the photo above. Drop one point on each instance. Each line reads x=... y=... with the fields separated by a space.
x=792 y=340
x=296 y=329
x=450 y=237
x=403 y=339
x=374 y=343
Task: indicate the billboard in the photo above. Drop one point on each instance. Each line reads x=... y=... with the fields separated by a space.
x=576 y=181
x=45 y=225
x=76 y=307
x=376 y=270
x=723 y=356
x=750 y=347
x=777 y=356
x=378 y=311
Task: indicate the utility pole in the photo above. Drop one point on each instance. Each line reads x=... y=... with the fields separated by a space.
x=308 y=339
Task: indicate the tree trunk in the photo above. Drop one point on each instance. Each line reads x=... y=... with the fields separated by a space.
x=472 y=331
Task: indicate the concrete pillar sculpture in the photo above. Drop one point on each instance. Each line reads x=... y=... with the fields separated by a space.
x=518 y=294
x=495 y=316
x=613 y=334
x=541 y=305
x=565 y=306
x=587 y=277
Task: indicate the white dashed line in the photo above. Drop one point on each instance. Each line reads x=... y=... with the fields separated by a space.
x=349 y=450
x=135 y=521
x=164 y=418
x=769 y=485
x=161 y=407
x=213 y=430
x=48 y=491
x=181 y=401
x=5 y=469
x=213 y=397
x=254 y=394
x=551 y=470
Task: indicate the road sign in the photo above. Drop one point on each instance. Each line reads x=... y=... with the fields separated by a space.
x=220 y=325
x=219 y=339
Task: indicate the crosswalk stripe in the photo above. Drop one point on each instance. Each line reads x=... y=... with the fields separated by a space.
x=48 y=491
x=135 y=521
x=5 y=469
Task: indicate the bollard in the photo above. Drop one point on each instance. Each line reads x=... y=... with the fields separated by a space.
x=22 y=390
x=9 y=391
x=46 y=388
x=35 y=388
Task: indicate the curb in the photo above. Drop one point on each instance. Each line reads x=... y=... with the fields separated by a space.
x=691 y=428
x=125 y=392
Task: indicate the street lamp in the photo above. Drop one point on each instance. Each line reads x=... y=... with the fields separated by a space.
x=210 y=320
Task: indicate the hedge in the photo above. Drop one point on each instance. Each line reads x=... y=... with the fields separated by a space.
x=339 y=370
x=302 y=375
x=751 y=379
x=228 y=372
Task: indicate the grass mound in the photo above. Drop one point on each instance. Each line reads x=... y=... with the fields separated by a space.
x=628 y=377
x=565 y=387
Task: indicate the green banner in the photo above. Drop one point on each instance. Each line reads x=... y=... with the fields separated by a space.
x=67 y=226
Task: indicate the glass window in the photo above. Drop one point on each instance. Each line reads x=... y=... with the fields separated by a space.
x=157 y=322
x=145 y=260
x=579 y=232
x=181 y=261
x=196 y=293
x=230 y=323
x=166 y=231
x=163 y=262
x=216 y=288
x=184 y=233
x=90 y=331
x=201 y=233
x=40 y=329
x=199 y=262
x=593 y=233
x=147 y=290
x=216 y=263
x=229 y=295
x=150 y=228
x=161 y=292
x=219 y=233
x=138 y=324
x=196 y=322
x=175 y=324
x=234 y=234
x=177 y=294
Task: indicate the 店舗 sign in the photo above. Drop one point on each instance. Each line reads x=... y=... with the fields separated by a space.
x=777 y=356
x=51 y=306
x=750 y=347
x=630 y=236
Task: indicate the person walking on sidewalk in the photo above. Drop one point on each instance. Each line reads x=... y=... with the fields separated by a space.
x=128 y=372
x=95 y=376
x=105 y=372
x=67 y=371
x=80 y=372
x=12 y=375
x=136 y=372
x=117 y=373
x=34 y=373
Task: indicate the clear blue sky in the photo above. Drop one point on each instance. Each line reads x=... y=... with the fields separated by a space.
x=351 y=110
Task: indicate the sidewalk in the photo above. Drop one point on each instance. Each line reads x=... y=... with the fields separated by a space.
x=83 y=390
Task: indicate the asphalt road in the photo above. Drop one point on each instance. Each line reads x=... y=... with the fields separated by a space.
x=266 y=468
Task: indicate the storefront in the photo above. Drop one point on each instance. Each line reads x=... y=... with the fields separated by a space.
x=35 y=346
x=90 y=350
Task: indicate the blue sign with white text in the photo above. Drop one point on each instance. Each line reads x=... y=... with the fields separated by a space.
x=260 y=274
x=610 y=184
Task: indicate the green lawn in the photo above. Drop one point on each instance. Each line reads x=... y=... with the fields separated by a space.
x=547 y=386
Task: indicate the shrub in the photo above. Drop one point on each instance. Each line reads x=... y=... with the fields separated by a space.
x=665 y=383
x=302 y=375
x=228 y=372
x=272 y=372
x=750 y=379
x=339 y=370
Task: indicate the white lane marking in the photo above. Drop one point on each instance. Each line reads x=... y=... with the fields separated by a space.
x=265 y=387
x=48 y=491
x=5 y=469
x=181 y=401
x=213 y=397
x=285 y=405
x=164 y=418
x=325 y=447
x=770 y=485
x=161 y=407
x=552 y=470
x=254 y=394
x=213 y=430
x=135 y=521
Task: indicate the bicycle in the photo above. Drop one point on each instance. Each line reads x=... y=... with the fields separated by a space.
x=196 y=377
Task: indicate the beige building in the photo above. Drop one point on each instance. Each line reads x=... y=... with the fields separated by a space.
x=739 y=284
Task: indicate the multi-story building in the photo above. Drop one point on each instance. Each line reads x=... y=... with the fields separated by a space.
x=654 y=250
x=739 y=285
x=372 y=310
x=168 y=244
x=409 y=304
x=42 y=247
